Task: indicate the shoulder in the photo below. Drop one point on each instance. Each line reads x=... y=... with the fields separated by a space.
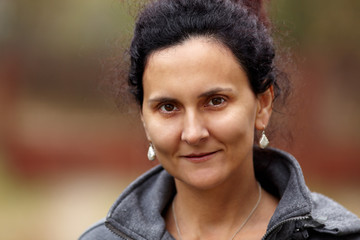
x=98 y=231
x=334 y=217
x=136 y=211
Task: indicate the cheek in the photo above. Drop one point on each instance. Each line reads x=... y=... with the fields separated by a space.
x=164 y=135
x=234 y=127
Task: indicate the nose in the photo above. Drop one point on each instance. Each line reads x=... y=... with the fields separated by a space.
x=194 y=130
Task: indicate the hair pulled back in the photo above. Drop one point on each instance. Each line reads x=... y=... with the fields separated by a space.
x=241 y=26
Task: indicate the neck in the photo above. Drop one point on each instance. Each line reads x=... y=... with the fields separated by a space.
x=216 y=211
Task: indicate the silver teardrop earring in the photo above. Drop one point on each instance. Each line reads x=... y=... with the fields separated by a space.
x=151 y=153
x=264 y=141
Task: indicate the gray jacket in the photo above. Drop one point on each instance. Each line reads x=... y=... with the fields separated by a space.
x=300 y=214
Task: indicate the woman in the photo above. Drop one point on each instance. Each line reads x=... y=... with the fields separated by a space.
x=203 y=74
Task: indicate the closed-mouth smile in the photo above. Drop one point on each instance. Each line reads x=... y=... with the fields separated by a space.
x=200 y=157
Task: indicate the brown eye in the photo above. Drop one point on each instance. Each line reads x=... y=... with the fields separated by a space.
x=216 y=101
x=167 y=107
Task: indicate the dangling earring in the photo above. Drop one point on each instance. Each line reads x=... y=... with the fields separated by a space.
x=151 y=153
x=264 y=141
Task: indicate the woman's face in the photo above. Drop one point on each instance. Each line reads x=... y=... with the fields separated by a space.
x=199 y=112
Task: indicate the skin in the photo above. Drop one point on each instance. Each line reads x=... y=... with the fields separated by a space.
x=199 y=112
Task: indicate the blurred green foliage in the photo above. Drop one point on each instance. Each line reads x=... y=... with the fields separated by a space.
x=62 y=45
x=321 y=25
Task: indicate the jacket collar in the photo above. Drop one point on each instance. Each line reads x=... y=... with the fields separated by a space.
x=280 y=174
x=138 y=212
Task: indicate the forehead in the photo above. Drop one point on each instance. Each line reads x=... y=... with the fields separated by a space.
x=194 y=48
x=201 y=62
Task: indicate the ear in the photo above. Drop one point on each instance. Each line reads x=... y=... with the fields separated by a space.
x=146 y=131
x=264 y=108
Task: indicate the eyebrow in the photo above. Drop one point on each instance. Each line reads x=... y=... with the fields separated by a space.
x=205 y=94
x=215 y=91
x=162 y=99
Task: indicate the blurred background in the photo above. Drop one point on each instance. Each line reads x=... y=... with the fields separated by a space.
x=67 y=150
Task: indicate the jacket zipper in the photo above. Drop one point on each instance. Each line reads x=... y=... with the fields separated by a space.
x=283 y=222
x=117 y=232
x=124 y=236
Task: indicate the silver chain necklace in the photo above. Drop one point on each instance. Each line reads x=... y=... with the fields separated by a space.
x=240 y=227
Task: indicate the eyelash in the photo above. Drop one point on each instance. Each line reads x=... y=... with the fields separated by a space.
x=221 y=98
x=161 y=106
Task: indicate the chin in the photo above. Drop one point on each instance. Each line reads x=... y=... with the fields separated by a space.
x=204 y=179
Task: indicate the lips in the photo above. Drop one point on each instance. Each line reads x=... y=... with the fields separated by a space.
x=200 y=157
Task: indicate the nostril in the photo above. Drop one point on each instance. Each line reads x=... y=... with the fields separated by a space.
x=194 y=136
x=194 y=131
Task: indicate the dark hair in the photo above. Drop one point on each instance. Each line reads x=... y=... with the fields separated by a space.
x=242 y=26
